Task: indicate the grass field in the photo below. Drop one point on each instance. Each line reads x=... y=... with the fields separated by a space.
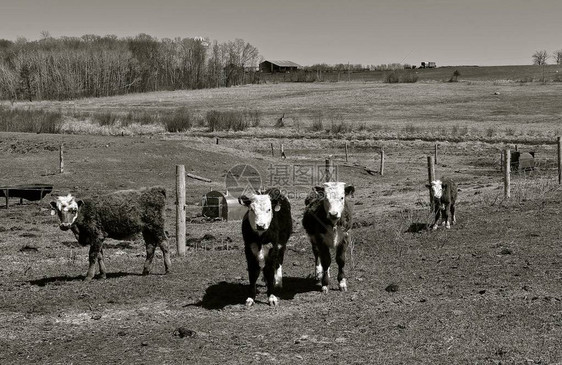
x=485 y=291
x=501 y=110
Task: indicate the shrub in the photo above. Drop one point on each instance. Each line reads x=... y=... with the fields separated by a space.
x=224 y=121
x=105 y=118
x=178 y=121
x=401 y=76
x=339 y=127
x=455 y=77
x=391 y=78
x=317 y=125
x=30 y=121
x=254 y=117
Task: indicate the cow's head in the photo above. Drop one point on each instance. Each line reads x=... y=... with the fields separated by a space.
x=436 y=188
x=66 y=207
x=333 y=195
x=260 y=210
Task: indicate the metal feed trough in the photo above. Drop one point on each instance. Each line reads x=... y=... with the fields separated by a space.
x=31 y=192
x=222 y=205
x=522 y=161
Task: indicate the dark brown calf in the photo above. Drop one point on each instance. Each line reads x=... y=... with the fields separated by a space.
x=444 y=194
x=120 y=215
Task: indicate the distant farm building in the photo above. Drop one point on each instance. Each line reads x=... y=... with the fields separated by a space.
x=428 y=65
x=278 y=66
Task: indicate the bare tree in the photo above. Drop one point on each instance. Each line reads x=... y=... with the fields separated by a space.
x=540 y=57
x=557 y=55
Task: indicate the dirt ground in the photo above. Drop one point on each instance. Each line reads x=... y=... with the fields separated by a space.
x=486 y=291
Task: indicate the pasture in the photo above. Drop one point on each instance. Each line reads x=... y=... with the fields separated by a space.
x=485 y=291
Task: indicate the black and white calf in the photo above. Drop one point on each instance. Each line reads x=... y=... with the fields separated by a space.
x=327 y=221
x=266 y=228
x=120 y=215
x=444 y=198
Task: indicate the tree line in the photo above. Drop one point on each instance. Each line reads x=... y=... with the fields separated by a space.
x=540 y=58
x=95 y=66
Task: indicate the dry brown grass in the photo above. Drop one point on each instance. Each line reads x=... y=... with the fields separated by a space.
x=489 y=110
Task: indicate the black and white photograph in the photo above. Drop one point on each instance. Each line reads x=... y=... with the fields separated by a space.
x=280 y=182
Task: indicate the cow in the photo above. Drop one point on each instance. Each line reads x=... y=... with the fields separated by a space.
x=266 y=228
x=444 y=195
x=327 y=221
x=120 y=215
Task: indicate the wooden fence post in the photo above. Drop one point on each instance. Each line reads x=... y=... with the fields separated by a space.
x=180 y=209
x=382 y=162
x=329 y=169
x=272 y=153
x=431 y=177
x=435 y=154
x=283 y=151
x=217 y=139
x=345 y=151
x=559 y=160
x=507 y=173
x=61 y=159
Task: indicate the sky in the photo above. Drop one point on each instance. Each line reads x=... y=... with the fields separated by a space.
x=368 y=32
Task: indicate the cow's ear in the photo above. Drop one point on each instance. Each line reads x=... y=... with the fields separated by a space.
x=444 y=185
x=53 y=208
x=349 y=190
x=79 y=202
x=319 y=189
x=244 y=200
x=428 y=186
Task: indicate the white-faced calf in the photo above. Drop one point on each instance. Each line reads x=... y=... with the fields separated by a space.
x=266 y=228
x=444 y=194
x=120 y=215
x=327 y=221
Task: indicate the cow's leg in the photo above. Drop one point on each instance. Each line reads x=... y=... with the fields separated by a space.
x=101 y=264
x=437 y=216
x=325 y=260
x=340 y=259
x=252 y=252
x=150 y=248
x=93 y=255
x=151 y=241
x=279 y=265
x=453 y=217
x=269 y=273
x=445 y=216
x=317 y=265
x=166 y=253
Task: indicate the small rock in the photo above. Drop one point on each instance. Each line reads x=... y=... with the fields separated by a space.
x=392 y=288
x=184 y=332
x=144 y=343
x=96 y=316
x=482 y=291
x=506 y=251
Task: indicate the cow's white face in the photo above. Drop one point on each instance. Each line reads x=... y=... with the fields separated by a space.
x=260 y=211
x=437 y=189
x=66 y=207
x=334 y=199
